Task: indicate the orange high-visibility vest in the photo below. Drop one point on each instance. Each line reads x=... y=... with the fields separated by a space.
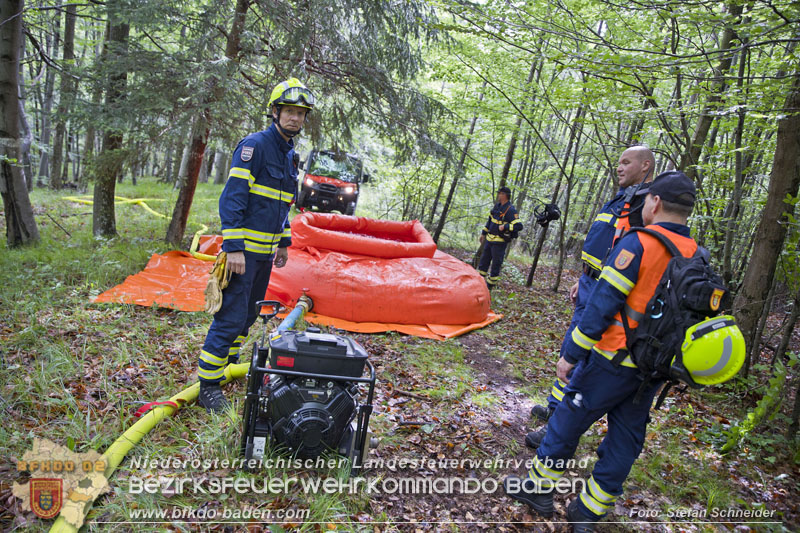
x=652 y=266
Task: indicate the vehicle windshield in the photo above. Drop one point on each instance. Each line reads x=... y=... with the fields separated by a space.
x=342 y=168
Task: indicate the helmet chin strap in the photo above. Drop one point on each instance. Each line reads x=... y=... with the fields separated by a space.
x=288 y=133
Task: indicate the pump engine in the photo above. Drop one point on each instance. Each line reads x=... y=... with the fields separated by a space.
x=304 y=391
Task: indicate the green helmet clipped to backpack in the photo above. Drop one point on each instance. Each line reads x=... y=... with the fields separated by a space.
x=292 y=92
x=713 y=350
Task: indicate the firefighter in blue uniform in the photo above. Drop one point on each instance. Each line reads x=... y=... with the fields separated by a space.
x=254 y=212
x=634 y=173
x=502 y=226
x=598 y=386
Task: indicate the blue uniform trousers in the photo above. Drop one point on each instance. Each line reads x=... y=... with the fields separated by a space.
x=493 y=253
x=233 y=320
x=598 y=388
x=585 y=286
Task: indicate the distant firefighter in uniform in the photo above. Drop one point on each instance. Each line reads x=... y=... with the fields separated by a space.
x=502 y=226
x=254 y=212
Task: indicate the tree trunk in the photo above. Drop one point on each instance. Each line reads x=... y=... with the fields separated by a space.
x=753 y=343
x=88 y=143
x=536 y=253
x=512 y=145
x=73 y=154
x=459 y=171
x=166 y=172
x=221 y=166
x=179 y=159
x=788 y=329
x=523 y=173
x=35 y=96
x=567 y=197
x=791 y=432
x=20 y=224
x=183 y=168
x=47 y=107
x=439 y=190
x=691 y=156
x=209 y=164
x=768 y=242
x=734 y=205
x=25 y=130
x=203 y=177
x=109 y=162
x=183 y=205
x=572 y=134
x=64 y=98
x=180 y=214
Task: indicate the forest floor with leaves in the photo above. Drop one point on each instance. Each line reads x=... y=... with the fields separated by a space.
x=75 y=372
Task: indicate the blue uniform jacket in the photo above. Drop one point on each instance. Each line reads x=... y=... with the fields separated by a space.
x=500 y=215
x=607 y=298
x=600 y=237
x=254 y=205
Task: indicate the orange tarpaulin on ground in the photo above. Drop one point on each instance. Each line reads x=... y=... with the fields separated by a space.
x=429 y=331
x=175 y=280
x=363 y=275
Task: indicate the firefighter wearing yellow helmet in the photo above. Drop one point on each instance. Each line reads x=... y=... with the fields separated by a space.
x=289 y=103
x=254 y=214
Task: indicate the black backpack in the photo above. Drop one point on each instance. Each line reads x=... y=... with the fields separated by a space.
x=548 y=214
x=689 y=292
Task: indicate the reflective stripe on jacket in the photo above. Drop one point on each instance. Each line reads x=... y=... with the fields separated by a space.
x=500 y=215
x=600 y=236
x=626 y=284
x=254 y=205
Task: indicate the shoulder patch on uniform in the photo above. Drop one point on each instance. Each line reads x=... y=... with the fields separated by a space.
x=247 y=153
x=516 y=215
x=624 y=259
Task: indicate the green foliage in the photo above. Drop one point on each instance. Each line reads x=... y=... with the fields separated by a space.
x=414 y=74
x=766 y=409
x=76 y=371
x=790 y=256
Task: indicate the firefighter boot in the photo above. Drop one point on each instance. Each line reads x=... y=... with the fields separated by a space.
x=525 y=490
x=212 y=398
x=580 y=522
x=542 y=412
x=535 y=438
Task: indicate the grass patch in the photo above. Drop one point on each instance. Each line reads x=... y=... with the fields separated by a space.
x=484 y=399
x=75 y=373
x=448 y=376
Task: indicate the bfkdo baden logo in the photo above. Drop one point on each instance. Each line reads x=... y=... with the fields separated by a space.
x=58 y=482
x=46 y=498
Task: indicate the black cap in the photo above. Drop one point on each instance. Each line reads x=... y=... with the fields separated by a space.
x=505 y=190
x=672 y=186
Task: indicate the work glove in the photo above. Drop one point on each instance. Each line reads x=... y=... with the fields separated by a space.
x=217 y=280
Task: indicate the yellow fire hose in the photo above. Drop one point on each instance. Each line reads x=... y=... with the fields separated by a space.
x=120 y=200
x=141 y=203
x=115 y=453
x=196 y=242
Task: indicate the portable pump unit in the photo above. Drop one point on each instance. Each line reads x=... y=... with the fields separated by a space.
x=303 y=391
